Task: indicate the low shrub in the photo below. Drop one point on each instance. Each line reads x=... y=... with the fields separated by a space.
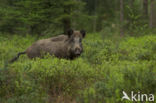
x=99 y=75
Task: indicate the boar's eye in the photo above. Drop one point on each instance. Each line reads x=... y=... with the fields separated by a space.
x=71 y=40
x=83 y=32
x=80 y=40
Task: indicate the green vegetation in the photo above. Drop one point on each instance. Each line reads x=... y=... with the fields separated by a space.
x=111 y=63
x=44 y=17
x=104 y=70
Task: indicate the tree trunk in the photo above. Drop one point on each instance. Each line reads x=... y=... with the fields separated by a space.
x=151 y=13
x=95 y=16
x=132 y=3
x=67 y=25
x=94 y=23
x=67 y=21
x=121 y=18
x=145 y=9
x=154 y=15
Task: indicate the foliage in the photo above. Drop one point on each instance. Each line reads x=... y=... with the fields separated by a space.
x=36 y=17
x=44 y=17
x=99 y=75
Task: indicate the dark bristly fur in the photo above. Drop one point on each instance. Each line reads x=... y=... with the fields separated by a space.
x=62 y=46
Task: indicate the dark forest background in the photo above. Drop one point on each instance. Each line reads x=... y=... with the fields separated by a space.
x=56 y=16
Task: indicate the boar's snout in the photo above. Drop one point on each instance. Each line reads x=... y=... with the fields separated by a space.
x=77 y=51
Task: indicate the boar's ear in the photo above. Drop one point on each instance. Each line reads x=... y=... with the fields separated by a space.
x=70 y=32
x=83 y=32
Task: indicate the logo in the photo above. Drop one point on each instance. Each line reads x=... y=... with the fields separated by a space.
x=137 y=97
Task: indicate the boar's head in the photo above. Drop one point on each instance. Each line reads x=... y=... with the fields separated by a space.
x=75 y=42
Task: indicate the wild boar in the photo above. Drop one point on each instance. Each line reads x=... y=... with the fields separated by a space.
x=63 y=46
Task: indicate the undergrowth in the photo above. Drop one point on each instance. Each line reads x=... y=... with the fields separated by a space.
x=99 y=75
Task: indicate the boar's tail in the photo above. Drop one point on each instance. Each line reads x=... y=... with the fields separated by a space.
x=15 y=58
